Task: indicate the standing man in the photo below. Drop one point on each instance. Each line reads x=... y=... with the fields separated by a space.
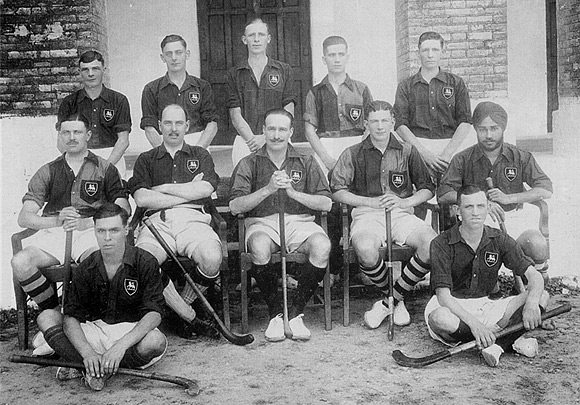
x=172 y=182
x=509 y=168
x=333 y=114
x=465 y=263
x=68 y=190
x=193 y=94
x=376 y=175
x=260 y=84
x=114 y=307
x=106 y=110
x=260 y=180
x=432 y=108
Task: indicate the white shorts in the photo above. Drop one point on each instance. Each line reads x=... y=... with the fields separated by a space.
x=52 y=241
x=372 y=221
x=335 y=146
x=298 y=228
x=184 y=229
x=102 y=336
x=487 y=311
x=518 y=220
x=105 y=153
x=240 y=149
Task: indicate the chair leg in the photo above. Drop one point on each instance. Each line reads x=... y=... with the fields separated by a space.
x=22 y=315
x=327 y=300
x=345 y=292
x=244 y=293
x=225 y=295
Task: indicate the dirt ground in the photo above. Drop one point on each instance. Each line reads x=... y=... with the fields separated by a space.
x=347 y=365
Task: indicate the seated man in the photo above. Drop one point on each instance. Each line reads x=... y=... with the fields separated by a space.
x=172 y=182
x=70 y=188
x=259 y=181
x=114 y=307
x=465 y=264
x=509 y=168
x=376 y=175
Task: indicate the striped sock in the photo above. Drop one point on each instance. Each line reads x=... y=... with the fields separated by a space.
x=188 y=293
x=176 y=303
x=56 y=339
x=378 y=275
x=410 y=276
x=40 y=289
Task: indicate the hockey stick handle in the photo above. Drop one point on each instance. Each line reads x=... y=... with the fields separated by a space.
x=191 y=386
x=239 y=340
x=389 y=241
x=489 y=182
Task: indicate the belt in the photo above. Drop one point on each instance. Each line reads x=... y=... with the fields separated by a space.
x=162 y=214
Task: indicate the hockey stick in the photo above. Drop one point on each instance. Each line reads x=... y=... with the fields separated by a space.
x=405 y=361
x=282 y=198
x=391 y=300
x=240 y=340
x=191 y=386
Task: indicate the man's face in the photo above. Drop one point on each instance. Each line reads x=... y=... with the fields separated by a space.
x=74 y=136
x=473 y=209
x=91 y=73
x=489 y=134
x=175 y=56
x=430 y=54
x=380 y=123
x=111 y=234
x=256 y=38
x=173 y=126
x=335 y=58
x=277 y=131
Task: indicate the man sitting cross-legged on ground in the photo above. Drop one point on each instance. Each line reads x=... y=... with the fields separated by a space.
x=465 y=264
x=113 y=309
x=173 y=182
x=259 y=181
x=68 y=190
x=378 y=174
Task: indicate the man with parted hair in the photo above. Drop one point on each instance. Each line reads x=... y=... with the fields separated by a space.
x=432 y=107
x=257 y=85
x=193 y=94
x=106 y=110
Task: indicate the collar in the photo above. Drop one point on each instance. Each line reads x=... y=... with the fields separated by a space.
x=272 y=63
x=160 y=151
x=348 y=82
x=190 y=81
x=478 y=152
x=128 y=260
x=105 y=95
x=290 y=153
x=91 y=157
x=367 y=143
x=442 y=76
x=488 y=233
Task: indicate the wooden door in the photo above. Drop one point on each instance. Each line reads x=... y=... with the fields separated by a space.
x=552 y=62
x=221 y=26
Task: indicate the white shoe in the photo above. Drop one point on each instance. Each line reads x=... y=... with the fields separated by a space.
x=41 y=348
x=401 y=315
x=526 y=346
x=299 y=331
x=491 y=355
x=275 y=330
x=376 y=315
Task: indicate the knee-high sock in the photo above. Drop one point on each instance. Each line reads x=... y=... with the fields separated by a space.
x=40 y=289
x=133 y=359
x=267 y=279
x=56 y=339
x=307 y=284
x=378 y=275
x=413 y=272
x=176 y=303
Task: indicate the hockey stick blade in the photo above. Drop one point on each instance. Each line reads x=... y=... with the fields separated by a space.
x=405 y=361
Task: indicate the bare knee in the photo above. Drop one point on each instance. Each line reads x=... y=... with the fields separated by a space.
x=422 y=242
x=366 y=249
x=441 y=320
x=260 y=246
x=319 y=249
x=152 y=344
x=48 y=318
x=209 y=258
x=24 y=263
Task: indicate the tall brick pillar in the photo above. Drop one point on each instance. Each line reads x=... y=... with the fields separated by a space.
x=41 y=42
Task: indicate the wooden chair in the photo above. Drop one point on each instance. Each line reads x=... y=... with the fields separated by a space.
x=56 y=274
x=246 y=266
x=400 y=253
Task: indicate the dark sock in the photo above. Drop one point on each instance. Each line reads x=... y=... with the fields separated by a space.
x=462 y=334
x=266 y=277
x=308 y=281
x=56 y=339
x=132 y=358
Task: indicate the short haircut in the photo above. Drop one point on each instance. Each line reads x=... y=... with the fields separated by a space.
x=279 y=111
x=255 y=21
x=109 y=210
x=173 y=38
x=378 y=105
x=174 y=105
x=431 y=35
x=75 y=117
x=467 y=189
x=90 y=56
x=333 y=40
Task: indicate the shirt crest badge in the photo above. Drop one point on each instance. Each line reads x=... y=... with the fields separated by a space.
x=491 y=258
x=511 y=173
x=447 y=92
x=398 y=180
x=131 y=286
x=91 y=188
x=194 y=97
x=355 y=113
x=192 y=165
x=108 y=114
x=273 y=79
x=296 y=176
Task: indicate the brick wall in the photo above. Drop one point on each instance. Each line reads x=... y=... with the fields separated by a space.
x=41 y=42
x=569 y=48
x=475 y=32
